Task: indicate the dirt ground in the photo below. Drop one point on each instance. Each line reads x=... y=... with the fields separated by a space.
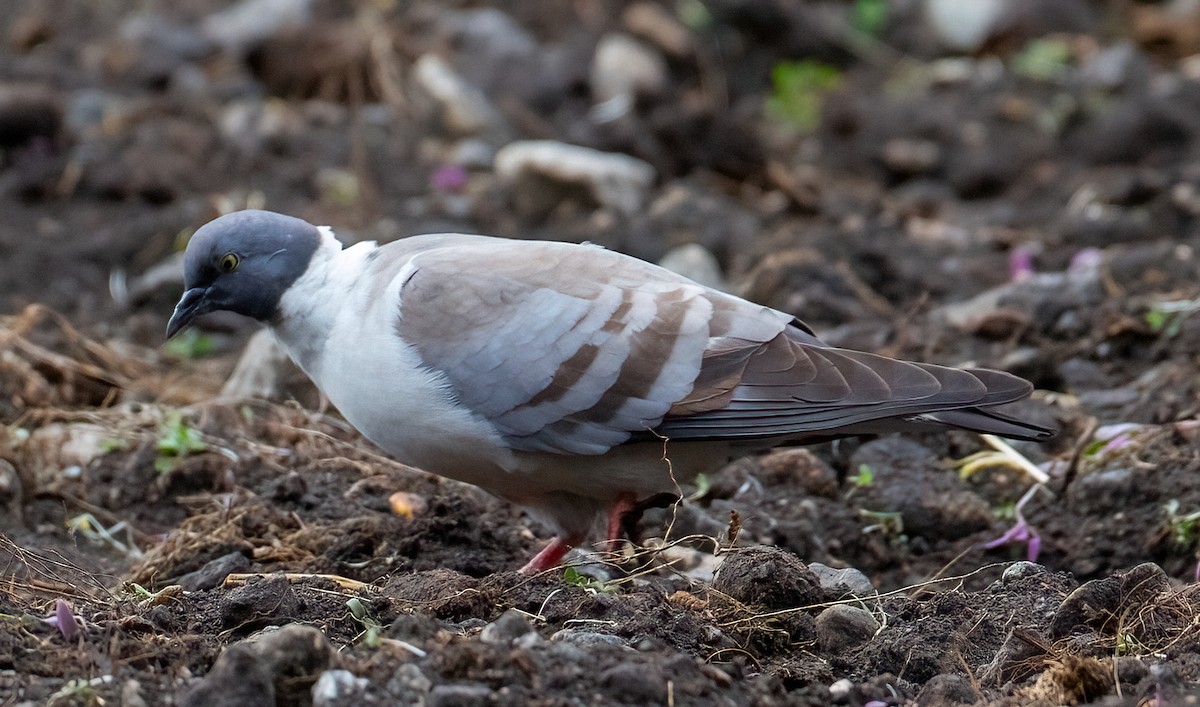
x=1015 y=186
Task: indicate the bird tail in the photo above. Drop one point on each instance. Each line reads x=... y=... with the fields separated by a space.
x=988 y=421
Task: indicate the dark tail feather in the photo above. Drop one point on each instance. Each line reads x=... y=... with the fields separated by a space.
x=991 y=422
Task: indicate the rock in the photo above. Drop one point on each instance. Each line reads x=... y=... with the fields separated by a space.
x=408 y=685
x=1021 y=570
x=623 y=67
x=279 y=663
x=464 y=109
x=838 y=583
x=633 y=684
x=768 y=578
x=295 y=654
x=262 y=601
x=964 y=25
x=214 y=572
x=337 y=688
x=247 y=24
x=946 y=690
x=907 y=156
x=1041 y=298
x=239 y=678
x=653 y=23
x=510 y=626
x=459 y=694
x=1102 y=604
x=695 y=262
x=842 y=627
x=587 y=639
x=536 y=167
x=1116 y=66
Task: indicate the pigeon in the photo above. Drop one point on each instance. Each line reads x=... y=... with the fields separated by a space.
x=569 y=379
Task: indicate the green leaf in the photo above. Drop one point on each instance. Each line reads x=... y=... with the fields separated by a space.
x=870 y=17
x=799 y=90
x=1043 y=59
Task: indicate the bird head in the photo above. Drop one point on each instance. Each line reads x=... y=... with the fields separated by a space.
x=243 y=262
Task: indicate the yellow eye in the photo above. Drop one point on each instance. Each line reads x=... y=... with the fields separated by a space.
x=229 y=262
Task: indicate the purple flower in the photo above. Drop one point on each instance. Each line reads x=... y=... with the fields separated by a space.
x=448 y=178
x=64 y=620
x=1020 y=263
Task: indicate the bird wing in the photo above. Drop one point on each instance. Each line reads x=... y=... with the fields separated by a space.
x=573 y=349
x=567 y=348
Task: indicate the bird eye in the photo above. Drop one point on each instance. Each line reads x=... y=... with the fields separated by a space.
x=229 y=262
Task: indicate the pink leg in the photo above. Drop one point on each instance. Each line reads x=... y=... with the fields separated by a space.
x=623 y=506
x=551 y=555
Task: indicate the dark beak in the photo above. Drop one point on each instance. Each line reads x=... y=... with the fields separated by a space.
x=193 y=303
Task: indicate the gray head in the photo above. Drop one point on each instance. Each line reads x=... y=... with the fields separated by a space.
x=243 y=262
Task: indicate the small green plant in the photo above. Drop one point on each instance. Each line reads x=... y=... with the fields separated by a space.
x=1043 y=59
x=886 y=523
x=1166 y=318
x=798 y=92
x=574 y=578
x=176 y=440
x=372 y=631
x=78 y=692
x=1183 y=528
x=869 y=17
x=864 y=478
x=190 y=344
x=113 y=444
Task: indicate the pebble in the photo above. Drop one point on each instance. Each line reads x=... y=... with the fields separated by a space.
x=843 y=581
x=214 y=572
x=964 y=25
x=947 y=689
x=262 y=601
x=465 y=110
x=261 y=370
x=625 y=67
x=247 y=24
x=335 y=688
x=617 y=181
x=634 y=684
x=409 y=684
x=506 y=629
x=239 y=678
x=459 y=694
x=587 y=639
x=1021 y=570
x=842 y=627
x=695 y=262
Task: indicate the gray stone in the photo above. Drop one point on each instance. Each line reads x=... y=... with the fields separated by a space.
x=459 y=694
x=847 y=580
x=841 y=627
x=587 y=639
x=510 y=626
x=336 y=688
x=214 y=572
x=619 y=182
x=695 y=262
x=465 y=110
x=625 y=67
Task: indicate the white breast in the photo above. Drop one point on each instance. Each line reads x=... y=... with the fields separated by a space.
x=342 y=332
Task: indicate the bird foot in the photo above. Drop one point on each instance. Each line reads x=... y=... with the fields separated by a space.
x=550 y=556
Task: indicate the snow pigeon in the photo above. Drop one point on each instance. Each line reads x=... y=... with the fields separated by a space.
x=568 y=379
